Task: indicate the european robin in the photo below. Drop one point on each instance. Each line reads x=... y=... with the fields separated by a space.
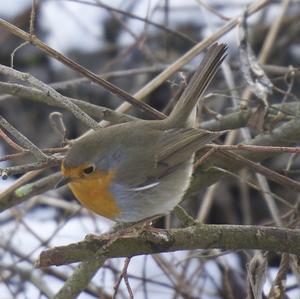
x=135 y=170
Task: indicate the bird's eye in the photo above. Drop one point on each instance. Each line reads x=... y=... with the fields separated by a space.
x=89 y=169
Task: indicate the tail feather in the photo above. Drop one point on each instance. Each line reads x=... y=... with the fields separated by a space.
x=198 y=84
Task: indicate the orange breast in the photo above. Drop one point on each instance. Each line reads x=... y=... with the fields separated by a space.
x=94 y=193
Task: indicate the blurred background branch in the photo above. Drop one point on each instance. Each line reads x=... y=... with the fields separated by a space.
x=135 y=49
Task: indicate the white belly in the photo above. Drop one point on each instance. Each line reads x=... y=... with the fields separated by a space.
x=161 y=198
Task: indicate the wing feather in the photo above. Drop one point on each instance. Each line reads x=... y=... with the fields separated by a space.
x=179 y=144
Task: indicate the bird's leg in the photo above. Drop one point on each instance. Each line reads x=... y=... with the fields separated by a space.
x=129 y=229
x=145 y=224
x=141 y=228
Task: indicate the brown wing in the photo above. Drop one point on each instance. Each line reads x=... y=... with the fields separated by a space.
x=177 y=145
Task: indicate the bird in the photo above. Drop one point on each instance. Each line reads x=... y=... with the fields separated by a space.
x=142 y=168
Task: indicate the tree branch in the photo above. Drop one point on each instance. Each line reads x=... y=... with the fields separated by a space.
x=55 y=95
x=153 y=84
x=80 y=69
x=26 y=191
x=284 y=135
x=24 y=141
x=80 y=278
x=201 y=236
x=39 y=96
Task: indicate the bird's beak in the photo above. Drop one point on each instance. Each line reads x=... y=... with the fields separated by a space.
x=63 y=181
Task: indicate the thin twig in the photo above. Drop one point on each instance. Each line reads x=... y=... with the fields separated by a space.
x=91 y=109
x=10 y=142
x=271 y=204
x=20 y=182
x=13 y=53
x=270 y=39
x=136 y=17
x=278 y=285
x=270 y=174
x=26 y=191
x=255 y=148
x=121 y=73
x=32 y=17
x=8 y=171
x=204 y=157
x=124 y=276
x=29 y=275
x=207 y=203
x=152 y=85
x=24 y=153
x=258 y=188
x=24 y=141
x=55 y=96
x=80 y=69
x=188 y=56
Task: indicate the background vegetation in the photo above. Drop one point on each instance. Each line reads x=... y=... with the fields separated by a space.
x=236 y=234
